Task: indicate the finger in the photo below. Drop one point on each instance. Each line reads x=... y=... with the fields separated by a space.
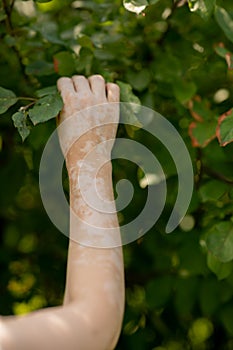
x=81 y=84
x=65 y=86
x=97 y=84
x=113 y=92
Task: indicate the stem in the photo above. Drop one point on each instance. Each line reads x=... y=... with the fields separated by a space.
x=24 y=108
x=27 y=98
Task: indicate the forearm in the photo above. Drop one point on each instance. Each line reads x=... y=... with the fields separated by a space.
x=94 y=274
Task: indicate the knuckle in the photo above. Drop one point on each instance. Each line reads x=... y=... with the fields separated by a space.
x=97 y=77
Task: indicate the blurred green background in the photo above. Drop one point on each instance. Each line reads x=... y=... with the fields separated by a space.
x=175 y=56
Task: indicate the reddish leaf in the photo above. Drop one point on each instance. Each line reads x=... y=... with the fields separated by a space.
x=193 y=113
x=223 y=52
x=224 y=131
x=202 y=134
x=229 y=60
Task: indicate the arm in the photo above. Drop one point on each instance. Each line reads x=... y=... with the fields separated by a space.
x=92 y=313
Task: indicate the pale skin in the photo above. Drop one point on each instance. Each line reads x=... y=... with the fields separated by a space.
x=92 y=312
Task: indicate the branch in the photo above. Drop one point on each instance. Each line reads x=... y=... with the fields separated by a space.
x=10 y=30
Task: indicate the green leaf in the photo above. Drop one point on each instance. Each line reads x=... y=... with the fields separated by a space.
x=224 y=21
x=221 y=270
x=49 y=90
x=20 y=122
x=184 y=91
x=202 y=7
x=7 y=99
x=213 y=190
x=85 y=41
x=64 y=63
x=46 y=108
x=127 y=94
x=220 y=241
x=129 y=110
x=225 y=128
x=139 y=80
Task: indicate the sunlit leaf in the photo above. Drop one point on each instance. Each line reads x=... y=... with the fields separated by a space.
x=136 y=6
x=221 y=270
x=220 y=241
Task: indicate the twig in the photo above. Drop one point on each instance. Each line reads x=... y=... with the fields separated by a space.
x=173 y=8
x=216 y=175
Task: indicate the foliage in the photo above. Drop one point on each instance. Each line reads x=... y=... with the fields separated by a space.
x=176 y=57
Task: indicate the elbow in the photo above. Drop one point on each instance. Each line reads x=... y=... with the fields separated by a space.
x=105 y=321
x=107 y=328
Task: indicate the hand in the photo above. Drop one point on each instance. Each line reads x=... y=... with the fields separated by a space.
x=81 y=130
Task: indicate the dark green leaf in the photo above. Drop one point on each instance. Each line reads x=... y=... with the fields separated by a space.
x=64 y=63
x=7 y=99
x=227 y=319
x=212 y=190
x=139 y=80
x=225 y=22
x=220 y=241
x=85 y=41
x=20 y=122
x=50 y=90
x=184 y=91
x=46 y=108
x=158 y=291
x=40 y=68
